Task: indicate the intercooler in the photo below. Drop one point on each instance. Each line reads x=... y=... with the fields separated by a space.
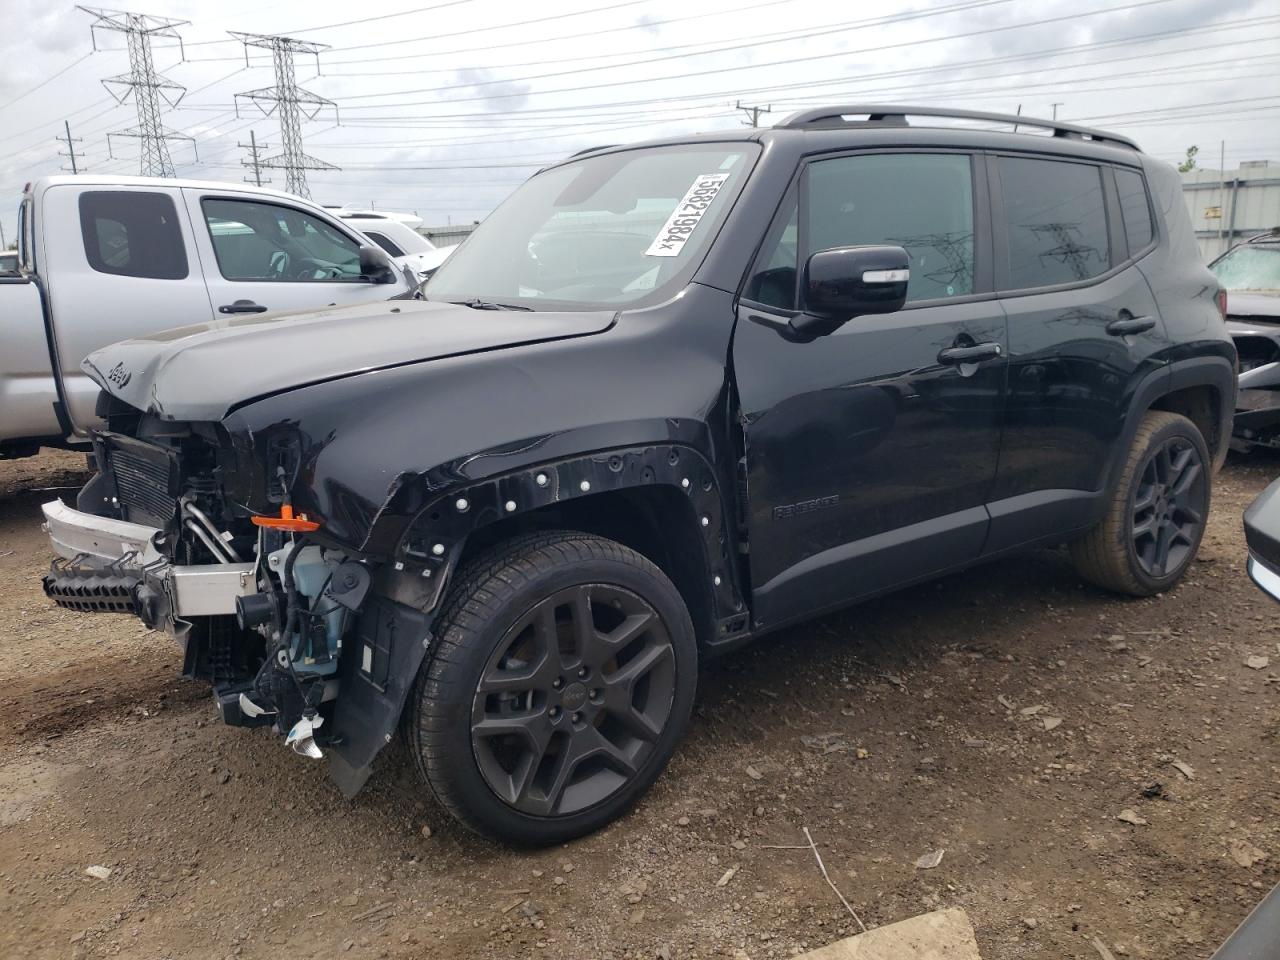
x=146 y=479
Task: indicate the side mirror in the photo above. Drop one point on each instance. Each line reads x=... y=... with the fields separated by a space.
x=375 y=265
x=847 y=282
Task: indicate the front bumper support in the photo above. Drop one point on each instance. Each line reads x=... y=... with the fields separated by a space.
x=114 y=566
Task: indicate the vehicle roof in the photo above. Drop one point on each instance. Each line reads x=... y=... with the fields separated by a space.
x=96 y=180
x=821 y=130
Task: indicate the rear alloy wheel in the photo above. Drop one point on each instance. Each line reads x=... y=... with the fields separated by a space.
x=1156 y=517
x=1169 y=503
x=561 y=680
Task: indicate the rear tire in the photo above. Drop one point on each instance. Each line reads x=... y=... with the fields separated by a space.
x=1157 y=514
x=560 y=681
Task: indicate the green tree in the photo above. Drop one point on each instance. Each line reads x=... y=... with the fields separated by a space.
x=1190 y=162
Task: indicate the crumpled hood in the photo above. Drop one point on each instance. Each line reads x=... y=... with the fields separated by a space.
x=201 y=372
x=1246 y=307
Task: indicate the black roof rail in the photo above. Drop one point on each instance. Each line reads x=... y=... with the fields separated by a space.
x=896 y=116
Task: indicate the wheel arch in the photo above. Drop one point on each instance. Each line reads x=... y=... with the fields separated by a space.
x=663 y=500
x=1203 y=389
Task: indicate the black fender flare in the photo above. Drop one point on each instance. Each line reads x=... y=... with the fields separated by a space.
x=435 y=536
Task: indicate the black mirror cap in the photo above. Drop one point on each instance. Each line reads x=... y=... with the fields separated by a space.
x=375 y=265
x=846 y=282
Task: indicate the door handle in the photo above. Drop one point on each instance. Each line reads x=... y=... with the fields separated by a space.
x=973 y=354
x=1127 y=324
x=242 y=306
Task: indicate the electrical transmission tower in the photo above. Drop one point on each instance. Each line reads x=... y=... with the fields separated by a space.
x=254 y=162
x=149 y=88
x=292 y=103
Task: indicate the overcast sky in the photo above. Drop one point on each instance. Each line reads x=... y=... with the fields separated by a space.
x=444 y=107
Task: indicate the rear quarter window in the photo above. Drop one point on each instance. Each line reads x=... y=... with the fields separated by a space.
x=1135 y=210
x=132 y=234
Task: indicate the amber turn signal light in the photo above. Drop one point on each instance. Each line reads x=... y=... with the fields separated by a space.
x=287 y=521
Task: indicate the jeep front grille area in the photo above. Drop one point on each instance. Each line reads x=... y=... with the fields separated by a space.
x=146 y=480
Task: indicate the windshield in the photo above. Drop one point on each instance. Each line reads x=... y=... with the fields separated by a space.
x=1255 y=267
x=602 y=231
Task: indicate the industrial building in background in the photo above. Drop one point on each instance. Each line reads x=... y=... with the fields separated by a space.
x=148 y=87
x=1228 y=206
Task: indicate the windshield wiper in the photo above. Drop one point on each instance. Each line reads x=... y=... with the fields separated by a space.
x=478 y=304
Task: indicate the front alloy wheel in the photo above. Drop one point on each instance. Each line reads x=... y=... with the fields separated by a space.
x=574 y=699
x=559 y=682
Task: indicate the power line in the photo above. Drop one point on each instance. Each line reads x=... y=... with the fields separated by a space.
x=386 y=16
x=986 y=31
x=47 y=80
x=147 y=86
x=291 y=103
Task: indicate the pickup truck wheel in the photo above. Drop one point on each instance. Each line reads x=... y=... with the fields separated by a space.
x=1157 y=514
x=560 y=681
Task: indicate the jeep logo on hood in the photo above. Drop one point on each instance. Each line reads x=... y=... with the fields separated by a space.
x=119 y=376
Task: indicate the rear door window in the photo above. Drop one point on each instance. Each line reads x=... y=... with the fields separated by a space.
x=132 y=233
x=1135 y=210
x=1055 y=222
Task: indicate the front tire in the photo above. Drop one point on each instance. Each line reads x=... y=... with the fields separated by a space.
x=1157 y=515
x=560 y=681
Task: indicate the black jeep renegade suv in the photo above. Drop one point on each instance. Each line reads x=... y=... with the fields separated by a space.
x=669 y=396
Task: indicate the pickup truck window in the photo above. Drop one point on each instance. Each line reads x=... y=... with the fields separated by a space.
x=268 y=241
x=130 y=233
x=922 y=202
x=614 y=228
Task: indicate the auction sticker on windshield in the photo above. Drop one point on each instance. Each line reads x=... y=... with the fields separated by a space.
x=686 y=216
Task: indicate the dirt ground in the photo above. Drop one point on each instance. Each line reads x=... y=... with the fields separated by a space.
x=1006 y=716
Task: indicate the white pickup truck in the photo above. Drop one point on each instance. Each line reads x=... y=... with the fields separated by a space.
x=108 y=259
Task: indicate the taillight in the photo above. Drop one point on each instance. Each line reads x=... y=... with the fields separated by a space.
x=1222 y=304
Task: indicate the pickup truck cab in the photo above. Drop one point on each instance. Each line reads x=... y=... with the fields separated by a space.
x=104 y=259
x=666 y=398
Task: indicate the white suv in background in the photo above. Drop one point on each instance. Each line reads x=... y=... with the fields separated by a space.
x=396 y=234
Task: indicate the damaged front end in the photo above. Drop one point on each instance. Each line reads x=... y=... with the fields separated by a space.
x=293 y=631
x=1257 y=418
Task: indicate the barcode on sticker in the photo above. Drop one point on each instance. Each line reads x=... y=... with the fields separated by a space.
x=686 y=216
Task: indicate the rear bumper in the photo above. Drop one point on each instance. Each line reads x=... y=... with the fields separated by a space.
x=110 y=565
